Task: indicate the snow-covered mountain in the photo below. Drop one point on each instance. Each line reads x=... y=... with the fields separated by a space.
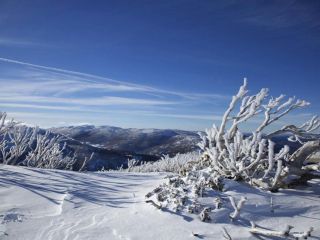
x=103 y=158
x=142 y=141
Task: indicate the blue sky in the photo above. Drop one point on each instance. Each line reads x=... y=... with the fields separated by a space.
x=161 y=64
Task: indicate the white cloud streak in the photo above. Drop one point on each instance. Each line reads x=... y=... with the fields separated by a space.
x=36 y=92
x=82 y=81
x=15 y=42
x=102 y=101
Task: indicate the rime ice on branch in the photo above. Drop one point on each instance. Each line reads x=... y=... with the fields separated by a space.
x=252 y=158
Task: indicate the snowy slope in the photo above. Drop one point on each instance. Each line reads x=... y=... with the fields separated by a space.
x=41 y=204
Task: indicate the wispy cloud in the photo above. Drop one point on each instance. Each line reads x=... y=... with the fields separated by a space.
x=187 y=116
x=46 y=107
x=16 y=42
x=43 y=89
x=73 y=81
x=47 y=95
x=102 y=101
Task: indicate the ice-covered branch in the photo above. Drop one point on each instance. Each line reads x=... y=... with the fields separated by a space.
x=5 y=124
x=303 y=133
x=236 y=207
x=286 y=233
x=85 y=162
x=270 y=233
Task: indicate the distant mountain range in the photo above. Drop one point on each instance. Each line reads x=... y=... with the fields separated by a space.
x=154 y=142
x=103 y=158
x=113 y=146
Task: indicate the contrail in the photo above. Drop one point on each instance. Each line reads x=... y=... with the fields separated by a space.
x=69 y=72
x=147 y=89
x=143 y=88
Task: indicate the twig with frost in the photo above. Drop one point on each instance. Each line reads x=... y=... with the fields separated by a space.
x=236 y=207
x=303 y=235
x=285 y=233
x=270 y=233
x=154 y=191
x=204 y=215
x=85 y=161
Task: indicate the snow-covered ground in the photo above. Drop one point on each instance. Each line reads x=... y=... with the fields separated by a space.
x=37 y=204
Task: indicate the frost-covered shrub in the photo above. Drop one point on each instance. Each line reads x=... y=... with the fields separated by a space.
x=181 y=193
x=174 y=164
x=252 y=157
x=48 y=153
x=27 y=146
x=228 y=153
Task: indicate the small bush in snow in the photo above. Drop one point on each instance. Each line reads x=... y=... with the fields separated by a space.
x=174 y=164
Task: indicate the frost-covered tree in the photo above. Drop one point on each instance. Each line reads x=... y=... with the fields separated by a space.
x=252 y=157
x=48 y=153
x=5 y=124
x=27 y=146
x=17 y=142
